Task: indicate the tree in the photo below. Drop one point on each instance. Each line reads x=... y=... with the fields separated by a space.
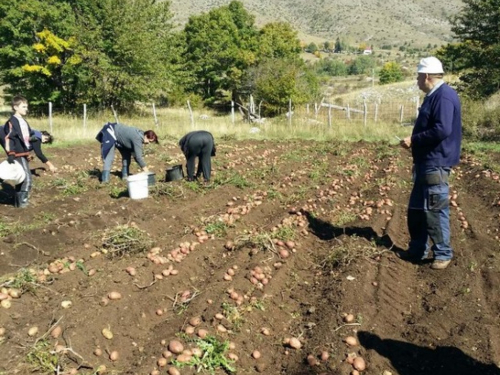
x=331 y=67
x=391 y=72
x=220 y=46
x=312 y=47
x=476 y=56
x=98 y=52
x=338 y=46
x=327 y=46
x=275 y=81
x=278 y=40
x=124 y=45
x=35 y=47
x=362 y=65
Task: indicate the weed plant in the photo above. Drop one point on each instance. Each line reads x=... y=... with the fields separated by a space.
x=125 y=239
x=213 y=357
x=42 y=358
x=24 y=280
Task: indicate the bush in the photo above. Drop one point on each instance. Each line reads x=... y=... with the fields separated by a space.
x=480 y=122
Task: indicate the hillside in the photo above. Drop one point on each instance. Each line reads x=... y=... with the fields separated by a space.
x=417 y=22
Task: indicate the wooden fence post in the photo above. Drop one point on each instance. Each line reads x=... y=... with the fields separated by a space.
x=348 y=112
x=376 y=112
x=232 y=111
x=85 y=115
x=330 y=116
x=307 y=108
x=191 y=114
x=50 y=116
x=365 y=112
x=154 y=115
x=114 y=113
x=290 y=111
x=401 y=112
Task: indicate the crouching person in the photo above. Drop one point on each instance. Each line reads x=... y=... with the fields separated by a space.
x=128 y=140
x=198 y=144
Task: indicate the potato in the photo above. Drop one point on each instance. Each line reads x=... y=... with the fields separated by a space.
x=256 y=354
x=114 y=296
x=359 y=364
x=351 y=341
x=113 y=356
x=56 y=332
x=175 y=346
x=295 y=343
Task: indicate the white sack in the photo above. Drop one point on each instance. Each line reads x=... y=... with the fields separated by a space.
x=12 y=173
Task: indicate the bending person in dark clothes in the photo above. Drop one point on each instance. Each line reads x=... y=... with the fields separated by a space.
x=36 y=141
x=198 y=144
x=129 y=141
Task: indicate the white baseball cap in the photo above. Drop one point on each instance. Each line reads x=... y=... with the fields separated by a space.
x=430 y=65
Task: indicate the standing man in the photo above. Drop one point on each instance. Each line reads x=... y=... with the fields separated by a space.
x=435 y=146
x=198 y=144
x=16 y=135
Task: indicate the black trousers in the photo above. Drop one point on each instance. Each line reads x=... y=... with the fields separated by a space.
x=200 y=145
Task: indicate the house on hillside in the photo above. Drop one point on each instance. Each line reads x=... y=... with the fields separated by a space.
x=367 y=51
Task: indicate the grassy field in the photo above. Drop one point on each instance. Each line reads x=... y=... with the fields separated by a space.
x=304 y=124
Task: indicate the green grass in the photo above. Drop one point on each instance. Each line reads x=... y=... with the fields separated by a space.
x=233 y=315
x=217 y=228
x=235 y=179
x=42 y=358
x=482 y=151
x=213 y=357
x=23 y=279
x=284 y=233
x=343 y=218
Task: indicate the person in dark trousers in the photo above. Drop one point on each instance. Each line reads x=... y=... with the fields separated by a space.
x=128 y=140
x=198 y=144
x=435 y=145
x=16 y=137
x=37 y=140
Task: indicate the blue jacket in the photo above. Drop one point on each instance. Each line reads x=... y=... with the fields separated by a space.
x=437 y=135
x=12 y=138
x=107 y=138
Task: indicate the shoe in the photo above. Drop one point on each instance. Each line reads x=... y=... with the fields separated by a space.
x=408 y=257
x=21 y=199
x=105 y=177
x=440 y=264
x=125 y=173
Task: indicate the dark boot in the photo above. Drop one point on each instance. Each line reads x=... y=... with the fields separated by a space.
x=105 y=177
x=125 y=173
x=21 y=199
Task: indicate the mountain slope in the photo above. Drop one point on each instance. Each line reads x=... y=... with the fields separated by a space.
x=377 y=22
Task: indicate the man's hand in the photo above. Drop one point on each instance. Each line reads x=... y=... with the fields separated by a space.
x=405 y=142
x=10 y=159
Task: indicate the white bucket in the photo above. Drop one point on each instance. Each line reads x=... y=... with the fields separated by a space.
x=137 y=186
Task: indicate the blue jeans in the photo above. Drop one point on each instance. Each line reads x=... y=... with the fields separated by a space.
x=429 y=213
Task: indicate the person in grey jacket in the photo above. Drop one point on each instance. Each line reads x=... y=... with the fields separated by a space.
x=198 y=144
x=128 y=140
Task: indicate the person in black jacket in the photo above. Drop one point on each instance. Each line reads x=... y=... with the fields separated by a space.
x=198 y=144
x=36 y=145
x=16 y=134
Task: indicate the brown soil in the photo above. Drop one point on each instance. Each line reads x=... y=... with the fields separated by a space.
x=343 y=205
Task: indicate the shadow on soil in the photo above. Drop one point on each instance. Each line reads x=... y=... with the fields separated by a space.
x=410 y=359
x=326 y=231
x=7 y=194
